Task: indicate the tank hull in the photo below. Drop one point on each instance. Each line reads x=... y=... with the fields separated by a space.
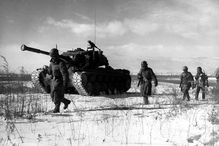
x=100 y=81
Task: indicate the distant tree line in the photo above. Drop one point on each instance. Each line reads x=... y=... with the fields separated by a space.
x=14 y=77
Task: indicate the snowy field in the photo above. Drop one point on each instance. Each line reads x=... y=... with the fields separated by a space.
x=117 y=121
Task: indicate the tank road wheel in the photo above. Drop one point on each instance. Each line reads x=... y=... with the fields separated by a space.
x=84 y=79
x=117 y=88
x=102 y=87
x=93 y=89
x=105 y=88
x=90 y=88
x=111 y=88
x=96 y=88
x=127 y=83
x=41 y=80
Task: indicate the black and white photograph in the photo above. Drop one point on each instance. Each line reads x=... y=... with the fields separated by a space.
x=109 y=73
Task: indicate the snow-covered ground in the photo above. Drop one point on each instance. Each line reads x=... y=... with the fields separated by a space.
x=120 y=120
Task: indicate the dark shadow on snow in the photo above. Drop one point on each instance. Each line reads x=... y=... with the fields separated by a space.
x=124 y=95
x=121 y=108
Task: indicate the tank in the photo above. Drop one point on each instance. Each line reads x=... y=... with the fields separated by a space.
x=89 y=73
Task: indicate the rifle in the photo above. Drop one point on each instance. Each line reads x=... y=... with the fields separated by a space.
x=139 y=82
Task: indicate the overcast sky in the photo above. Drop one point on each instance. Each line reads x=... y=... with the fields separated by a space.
x=166 y=33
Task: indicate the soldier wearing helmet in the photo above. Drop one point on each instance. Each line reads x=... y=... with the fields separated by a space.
x=145 y=76
x=59 y=73
x=201 y=82
x=186 y=81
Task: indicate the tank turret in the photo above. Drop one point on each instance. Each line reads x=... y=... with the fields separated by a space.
x=89 y=72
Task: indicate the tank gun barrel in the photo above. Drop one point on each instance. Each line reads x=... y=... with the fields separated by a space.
x=66 y=59
x=24 y=48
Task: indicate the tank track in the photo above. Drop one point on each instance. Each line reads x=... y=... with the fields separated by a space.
x=93 y=83
x=88 y=83
x=77 y=83
x=37 y=80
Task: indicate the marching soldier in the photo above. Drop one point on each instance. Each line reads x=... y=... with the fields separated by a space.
x=186 y=81
x=201 y=82
x=59 y=73
x=217 y=76
x=145 y=76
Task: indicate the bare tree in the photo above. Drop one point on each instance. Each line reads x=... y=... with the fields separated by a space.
x=5 y=64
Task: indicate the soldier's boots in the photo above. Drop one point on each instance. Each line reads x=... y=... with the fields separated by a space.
x=146 y=100
x=66 y=103
x=57 y=108
x=186 y=95
x=203 y=96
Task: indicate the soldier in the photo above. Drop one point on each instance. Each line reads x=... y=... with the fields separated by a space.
x=59 y=73
x=201 y=81
x=217 y=76
x=145 y=77
x=186 y=81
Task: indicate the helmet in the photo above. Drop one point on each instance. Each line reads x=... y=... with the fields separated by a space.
x=185 y=68
x=45 y=67
x=54 y=52
x=199 y=68
x=144 y=64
